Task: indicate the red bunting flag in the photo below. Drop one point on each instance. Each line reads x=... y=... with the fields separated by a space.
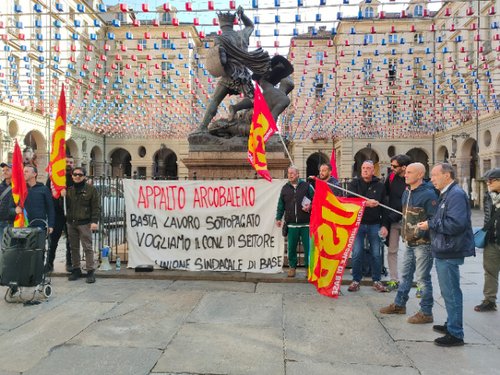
x=57 y=163
x=262 y=128
x=334 y=224
x=19 y=188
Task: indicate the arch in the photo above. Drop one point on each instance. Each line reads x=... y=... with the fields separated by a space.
x=36 y=141
x=72 y=148
x=469 y=151
x=361 y=156
x=418 y=155
x=442 y=154
x=96 y=161
x=120 y=163
x=314 y=161
x=165 y=164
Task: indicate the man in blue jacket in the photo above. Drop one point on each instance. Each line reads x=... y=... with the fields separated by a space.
x=295 y=204
x=419 y=203
x=451 y=241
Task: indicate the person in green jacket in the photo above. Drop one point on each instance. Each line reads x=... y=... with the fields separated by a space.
x=82 y=217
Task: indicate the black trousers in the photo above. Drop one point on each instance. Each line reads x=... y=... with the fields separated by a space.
x=59 y=228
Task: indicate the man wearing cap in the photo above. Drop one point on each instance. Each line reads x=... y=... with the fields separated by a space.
x=491 y=255
x=7 y=205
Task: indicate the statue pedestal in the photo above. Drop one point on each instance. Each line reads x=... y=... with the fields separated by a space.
x=231 y=165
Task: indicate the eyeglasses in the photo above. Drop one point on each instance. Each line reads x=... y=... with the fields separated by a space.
x=78 y=174
x=395 y=166
x=491 y=180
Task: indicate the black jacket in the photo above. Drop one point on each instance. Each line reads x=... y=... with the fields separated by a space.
x=39 y=206
x=394 y=189
x=290 y=203
x=7 y=205
x=493 y=229
x=374 y=189
x=83 y=204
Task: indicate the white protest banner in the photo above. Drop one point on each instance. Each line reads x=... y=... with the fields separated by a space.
x=204 y=225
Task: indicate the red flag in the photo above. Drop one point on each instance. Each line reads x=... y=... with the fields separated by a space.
x=334 y=224
x=333 y=163
x=19 y=188
x=57 y=162
x=262 y=128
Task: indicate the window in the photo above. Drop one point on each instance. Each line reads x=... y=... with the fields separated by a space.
x=368 y=39
x=393 y=38
x=320 y=56
x=369 y=12
x=419 y=11
x=120 y=16
x=143 y=43
x=166 y=17
x=319 y=85
x=165 y=44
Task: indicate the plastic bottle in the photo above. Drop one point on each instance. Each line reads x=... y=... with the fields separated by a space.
x=118 y=264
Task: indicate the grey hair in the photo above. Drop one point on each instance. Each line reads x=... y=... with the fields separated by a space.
x=447 y=168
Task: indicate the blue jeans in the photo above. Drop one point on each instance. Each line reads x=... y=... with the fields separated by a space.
x=448 y=273
x=370 y=231
x=417 y=260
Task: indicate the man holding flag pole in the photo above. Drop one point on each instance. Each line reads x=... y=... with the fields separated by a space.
x=59 y=168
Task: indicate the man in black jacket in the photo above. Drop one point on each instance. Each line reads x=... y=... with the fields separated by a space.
x=491 y=255
x=7 y=205
x=60 y=221
x=395 y=186
x=370 y=187
x=295 y=204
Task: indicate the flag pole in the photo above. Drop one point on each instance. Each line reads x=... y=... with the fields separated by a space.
x=360 y=196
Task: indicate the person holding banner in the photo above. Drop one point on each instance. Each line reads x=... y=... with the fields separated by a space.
x=295 y=205
x=419 y=203
x=370 y=187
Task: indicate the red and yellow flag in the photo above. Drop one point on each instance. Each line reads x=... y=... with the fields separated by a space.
x=262 y=128
x=19 y=188
x=334 y=224
x=57 y=162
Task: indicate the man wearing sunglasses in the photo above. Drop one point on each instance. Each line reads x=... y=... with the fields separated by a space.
x=82 y=218
x=491 y=255
x=395 y=186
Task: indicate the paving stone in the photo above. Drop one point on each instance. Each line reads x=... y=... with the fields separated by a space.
x=260 y=310
x=151 y=324
x=230 y=286
x=27 y=344
x=77 y=360
x=224 y=349
x=309 y=368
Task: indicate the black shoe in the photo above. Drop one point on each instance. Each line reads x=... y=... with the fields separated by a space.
x=448 y=340
x=90 y=277
x=486 y=306
x=76 y=273
x=441 y=329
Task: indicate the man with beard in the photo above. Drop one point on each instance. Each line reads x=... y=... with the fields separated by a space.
x=60 y=223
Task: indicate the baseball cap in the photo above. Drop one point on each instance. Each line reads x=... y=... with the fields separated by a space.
x=6 y=165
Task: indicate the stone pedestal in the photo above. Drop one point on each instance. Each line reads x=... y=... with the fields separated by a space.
x=211 y=157
x=214 y=165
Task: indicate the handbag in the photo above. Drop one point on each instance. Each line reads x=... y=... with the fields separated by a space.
x=480 y=238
